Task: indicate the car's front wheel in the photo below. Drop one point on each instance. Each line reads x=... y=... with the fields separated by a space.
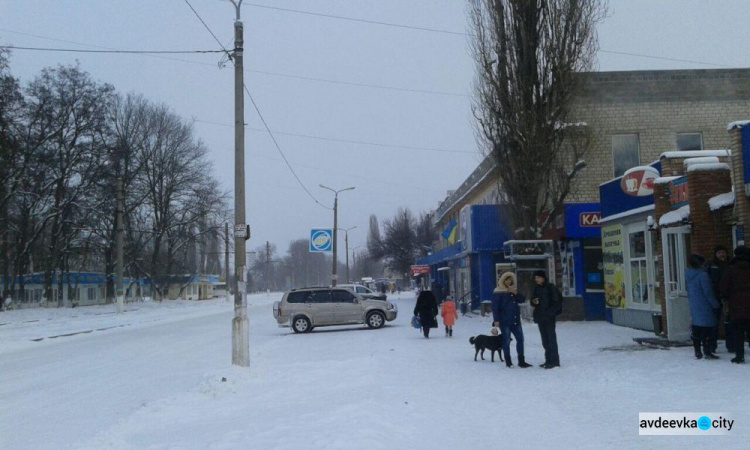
x=301 y=324
x=375 y=319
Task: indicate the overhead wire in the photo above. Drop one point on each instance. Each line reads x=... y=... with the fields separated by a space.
x=78 y=50
x=260 y=115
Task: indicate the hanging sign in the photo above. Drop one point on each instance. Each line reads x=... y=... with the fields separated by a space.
x=639 y=181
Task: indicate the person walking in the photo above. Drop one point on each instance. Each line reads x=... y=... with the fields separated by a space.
x=703 y=306
x=716 y=269
x=547 y=302
x=427 y=310
x=735 y=287
x=437 y=290
x=449 y=314
x=507 y=315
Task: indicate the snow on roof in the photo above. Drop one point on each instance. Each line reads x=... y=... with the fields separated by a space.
x=630 y=212
x=737 y=124
x=677 y=216
x=721 y=201
x=708 y=166
x=695 y=153
x=701 y=160
x=665 y=180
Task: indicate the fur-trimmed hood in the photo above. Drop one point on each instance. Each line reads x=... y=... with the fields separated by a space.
x=501 y=282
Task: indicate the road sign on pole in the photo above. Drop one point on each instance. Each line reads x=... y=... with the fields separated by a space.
x=321 y=240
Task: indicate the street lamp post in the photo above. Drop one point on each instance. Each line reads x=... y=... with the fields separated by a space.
x=334 y=276
x=346 y=242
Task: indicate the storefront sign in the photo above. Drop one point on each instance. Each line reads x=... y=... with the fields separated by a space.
x=639 y=181
x=678 y=193
x=589 y=219
x=419 y=270
x=614 y=266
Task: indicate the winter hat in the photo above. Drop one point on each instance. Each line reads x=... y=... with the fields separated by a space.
x=719 y=248
x=495 y=331
x=501 y=282
x=741 y=250
x=448 y=298
x=540 y=273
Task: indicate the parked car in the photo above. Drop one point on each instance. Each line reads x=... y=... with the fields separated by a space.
x=363 y=291
x=307 y=308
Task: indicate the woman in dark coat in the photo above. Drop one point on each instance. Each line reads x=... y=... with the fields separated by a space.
x=427 y=310
x=735 y=287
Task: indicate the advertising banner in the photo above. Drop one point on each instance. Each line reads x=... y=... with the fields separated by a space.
x=614 y=266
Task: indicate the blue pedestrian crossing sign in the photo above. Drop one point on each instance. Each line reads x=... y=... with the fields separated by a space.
x=321 y=240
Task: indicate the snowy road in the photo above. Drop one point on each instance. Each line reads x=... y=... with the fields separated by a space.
x=155 y=382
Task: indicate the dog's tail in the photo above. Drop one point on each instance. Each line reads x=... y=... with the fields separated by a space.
x=471 y=340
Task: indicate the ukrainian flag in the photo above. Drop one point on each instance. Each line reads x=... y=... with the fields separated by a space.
x=449 y=233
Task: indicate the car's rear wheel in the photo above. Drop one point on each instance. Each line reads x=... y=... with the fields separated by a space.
x=375 y=319
x=301 y=324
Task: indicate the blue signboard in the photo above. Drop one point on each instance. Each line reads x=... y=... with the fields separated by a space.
x=582 y=220
x=614 y=200
x=321 y=240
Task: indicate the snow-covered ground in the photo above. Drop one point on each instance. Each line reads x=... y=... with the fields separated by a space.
x=152 y=379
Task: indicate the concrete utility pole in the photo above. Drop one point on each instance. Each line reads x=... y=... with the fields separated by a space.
x=226 y=261
x=268 y=267
x=240 y=323
x=334 y=275
x=346 y=242
x=120 y=287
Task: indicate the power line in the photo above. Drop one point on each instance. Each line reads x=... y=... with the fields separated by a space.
x=209 y=29
x=346 y=141
x=262 y=119
x=74 y=50
x=273 y=138
x=267 y=73
x=373 y=22
x=459 y=33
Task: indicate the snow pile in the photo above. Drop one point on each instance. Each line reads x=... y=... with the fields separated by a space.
x=721 y=201
x=665 y=180
x=696 y=153
x=737 y=124
x=677 y=216
x=700 y=160
x=707 y=167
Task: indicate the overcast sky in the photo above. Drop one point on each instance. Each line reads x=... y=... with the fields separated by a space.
x=285 y=49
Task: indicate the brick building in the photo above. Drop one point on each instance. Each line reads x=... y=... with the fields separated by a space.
x=633 y=118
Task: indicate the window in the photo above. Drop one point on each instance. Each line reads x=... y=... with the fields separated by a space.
x=91 y=293
x=638 y=270
x=361 y=290
x=625 y=152
x=343 y=297
x=319 y=297
x=296 y=297
x=689 y=141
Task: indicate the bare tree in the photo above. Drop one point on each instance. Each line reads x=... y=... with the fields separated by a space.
x=528 y=56
x=400 y=241
x=426 y=234
x=374 y=241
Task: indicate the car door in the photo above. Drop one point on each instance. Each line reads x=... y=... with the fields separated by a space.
x=320 y=306
x=347 y=307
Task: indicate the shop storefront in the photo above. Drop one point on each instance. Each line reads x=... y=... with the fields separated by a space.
x=631 y=259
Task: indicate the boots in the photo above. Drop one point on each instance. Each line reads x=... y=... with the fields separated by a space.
x=450 y=332
x=522 y=362
x=508 y=361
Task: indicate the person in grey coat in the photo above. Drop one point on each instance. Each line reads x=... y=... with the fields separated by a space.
x=703 y=306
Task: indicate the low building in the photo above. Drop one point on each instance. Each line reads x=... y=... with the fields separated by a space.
x=188 y=287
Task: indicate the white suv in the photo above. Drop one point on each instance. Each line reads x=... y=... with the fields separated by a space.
x=363 y=291
x=305 y=309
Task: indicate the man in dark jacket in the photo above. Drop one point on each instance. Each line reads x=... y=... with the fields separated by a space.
x=735 y=287
x=716 y=269
x=547 y=302
x=507 y=316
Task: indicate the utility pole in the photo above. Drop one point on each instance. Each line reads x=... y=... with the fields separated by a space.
x=334 y=275
x=268 y=267
x=240 y=324
x=346 y=242
x=119 y=288
x=226 y=260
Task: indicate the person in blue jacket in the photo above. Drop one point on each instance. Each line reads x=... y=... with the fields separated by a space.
x=507 y=315
x=703 y=306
